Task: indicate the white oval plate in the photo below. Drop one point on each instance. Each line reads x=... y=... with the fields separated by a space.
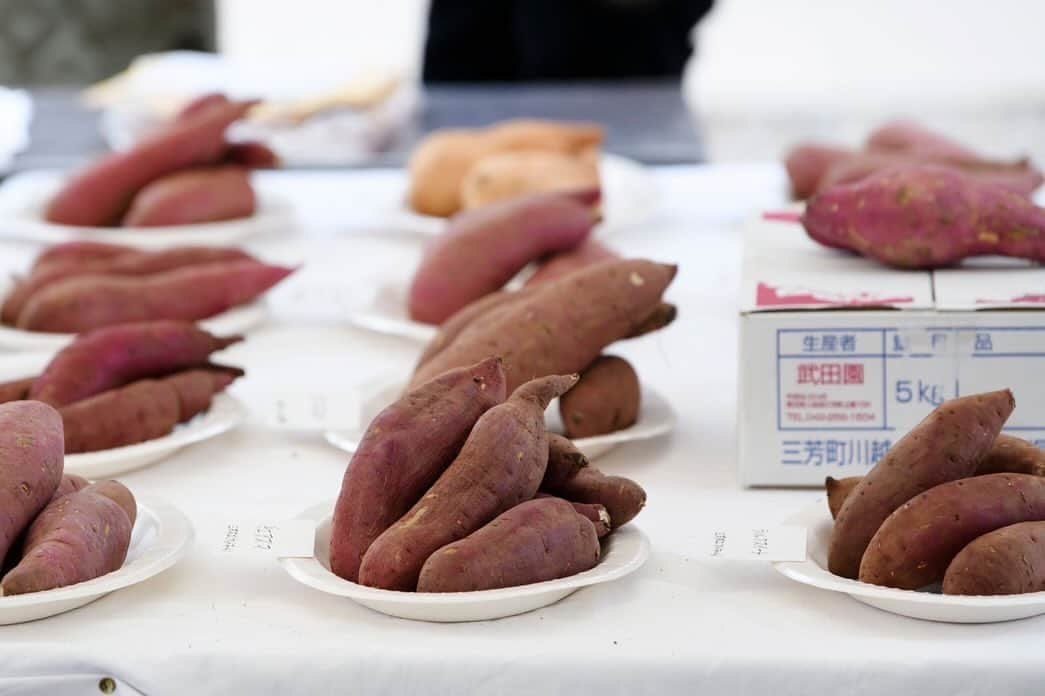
x=656 y=418
x=914 y=604
x=623 y=552
x=161 y=537
x=386 y=314
x=629 y=197
x=234 y=321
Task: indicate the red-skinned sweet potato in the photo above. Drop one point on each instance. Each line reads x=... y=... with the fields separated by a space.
x=111 y=357
x=78 y=537
x=806 y=165
x=76 y=253
x=456 y=323
x=563 y=263
x=251 y=155
x=1010 y=560
x=31 y=464
x=947 y=445
x=595 y=513
x=534 y=541
x=838 y=490
x=16 y=390
x=908 y=136
x=70 y=483
x=404 y=450
x=84 y=303
x=481 y=250
x=915 y=544
x=622 y=497
x=500 y=465
x=561 y=326
x=606 y=399
x=189 y=196
x=564 y=461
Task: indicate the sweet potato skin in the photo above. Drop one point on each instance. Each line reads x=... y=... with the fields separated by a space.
x=926 y=217
x=1010 y=560
x=404 y=450
x=76 y=253
x=457 y=322
x=947 y=445
x=111 y=357
x=909 y=136
x=561 y=327
x=806 y=165
x=917 y=542
x=190 y=196
x=70 y=483
x=838 y=490
x=622 y=497
x=482 y=250
x=80 y=304
x=606 y=399
x=564 y=461
x=31 y=453
x=1013 y=455
x=500 y=465
x=16 y=390
x=595 y=513
x=563 y=263
x=252 y=155
x=78 y=537
x=534 y=541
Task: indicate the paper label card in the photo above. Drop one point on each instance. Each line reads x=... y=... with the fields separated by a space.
x=306 y=411
x=783 y=543
x=288 y=539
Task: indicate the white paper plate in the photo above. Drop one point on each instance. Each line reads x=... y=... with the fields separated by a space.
x=915 y=604
x=656 y=418
x=623 y=552
x=235 y=321
x=386 y=314
x=629 y=197
x=161 y=537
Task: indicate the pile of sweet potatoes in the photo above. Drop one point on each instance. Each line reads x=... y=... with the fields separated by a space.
x=128 y=384
x=458 y=487
x=953 y=501
x=80 y=286
x=55 y=529
x=186 y=173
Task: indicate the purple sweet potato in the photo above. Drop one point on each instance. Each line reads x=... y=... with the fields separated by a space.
x=606 y=399
x=534 y=541
x=132 y=263
x=111 y=357
x=84 y=303
x=917 y=542
x=141 y=411
x=947 y=445
x=189 y=196
x=926 y=217
x=622 y=497
x=404 y=450
x=561 y=326
x=565 y=262
x=1010 y=560
x=30 y=465
x=100 y=195
x=806 y=165
x=16 y=390
x=483 y=249
x=838 y=490
x=78 y=537
x=500 y=465
x=564 y=461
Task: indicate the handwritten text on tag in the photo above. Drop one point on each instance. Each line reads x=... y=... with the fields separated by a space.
x=289 y=539
x=756 y=543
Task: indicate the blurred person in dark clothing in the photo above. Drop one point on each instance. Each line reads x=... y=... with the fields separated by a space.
x=517 y=40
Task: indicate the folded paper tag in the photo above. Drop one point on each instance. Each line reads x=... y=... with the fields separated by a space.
x=755 y=543
x=288 y=539
x=306 y=411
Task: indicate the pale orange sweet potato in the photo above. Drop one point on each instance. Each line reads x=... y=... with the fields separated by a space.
x=504 y=175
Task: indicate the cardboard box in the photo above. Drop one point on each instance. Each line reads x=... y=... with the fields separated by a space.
x=840 y=356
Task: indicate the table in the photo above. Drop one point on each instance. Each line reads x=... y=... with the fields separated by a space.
x=645 y=120
x=681 y=625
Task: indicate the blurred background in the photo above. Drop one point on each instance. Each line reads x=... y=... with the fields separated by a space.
x=762 y=75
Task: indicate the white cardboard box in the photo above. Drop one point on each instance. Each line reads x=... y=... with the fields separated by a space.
x=841 y=356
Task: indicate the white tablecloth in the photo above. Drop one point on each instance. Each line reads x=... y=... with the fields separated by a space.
x=219 y=625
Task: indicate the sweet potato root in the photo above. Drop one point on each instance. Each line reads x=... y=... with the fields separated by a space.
x=404 y=450
x=838 y=490
x=201 y=194
x=561 y=326
x=84 y=303
x=596 y=514
x=564 y=461
x=482 y=250
x=917 y=542
x=251 y=155
x=456 y=323
x=70 y=483
x=807 y=164
x=500 y=465
x=606 y=399
x=1013 y=455
x=16 y=390
x=76 y=253
x=1010 y=560
x=622 y=497
x=908 y=136
x=534 y=541
x=565 y=262
x=947 y=445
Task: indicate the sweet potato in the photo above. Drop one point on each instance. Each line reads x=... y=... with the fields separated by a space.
x=1013 y=455
x=838 y=490
x=70 y=483
x=201 y=104
x=84 y=303
x=101 y=194
x=908 y=136
x=926 y=217
x=251 y=155
x=534 y=541
x=500 y=465
x=606 y=399
x=540 y=134
x=456 y=323
x=16 y=390
x=566 y=262
x=504 y=175
x=483 y=249
x=622 y=497
x=564 y=461
x=404 y=450
x=132 y=263
x=76 y=253
x=561 y=326
x=596 y=514
x=141 y=411
x=30 y=465
x=915 y=544
x=189 y=196
x=113 y=356
x=806 y=165
x=1010 y=560
x=78 y=537
x=947 y=445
